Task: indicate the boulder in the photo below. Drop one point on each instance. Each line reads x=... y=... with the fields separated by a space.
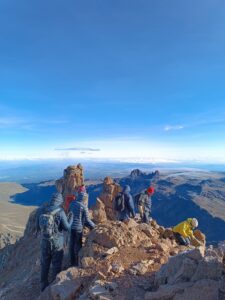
x=199 y=236
x=146 y=229
x=201 y=290
x=175 y=270
x=87 y=262
x=167 y=292
x=73 y=177
x=98 y=212
x=208 y=268
x=113 y=234
x=109 y=192
x=66 y=286
x=112 y=251
x=168 y=233
x=116 y=268
x=141 y=268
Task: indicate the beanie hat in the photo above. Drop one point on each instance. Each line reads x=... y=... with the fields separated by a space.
x=81 y=189
x=150 y=190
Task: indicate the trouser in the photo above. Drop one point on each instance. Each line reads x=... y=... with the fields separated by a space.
x=75 y=246
x=50 y=254
x=182 y=240
x=145 y=216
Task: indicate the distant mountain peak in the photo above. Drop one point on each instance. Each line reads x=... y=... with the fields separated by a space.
x=136 y=173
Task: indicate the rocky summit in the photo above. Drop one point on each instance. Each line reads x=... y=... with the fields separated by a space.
x=118 y=261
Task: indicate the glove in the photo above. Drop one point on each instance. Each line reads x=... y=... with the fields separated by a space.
x=70 y=216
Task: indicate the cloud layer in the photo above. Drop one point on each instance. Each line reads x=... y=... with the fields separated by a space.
x=77 y=149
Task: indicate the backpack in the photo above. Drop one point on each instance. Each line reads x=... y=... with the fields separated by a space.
x=120 y=202
x=139 y=203
x=49 y=224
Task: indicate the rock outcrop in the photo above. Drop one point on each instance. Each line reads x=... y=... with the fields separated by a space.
x=73 y=177
x=194 y=274
x=119 y=260
x=109 y=192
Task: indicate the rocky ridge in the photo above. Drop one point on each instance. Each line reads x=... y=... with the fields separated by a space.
x=118 y=261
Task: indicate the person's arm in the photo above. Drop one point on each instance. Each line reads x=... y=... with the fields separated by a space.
x=149 y=202
x=188 y=231
x=66 y=223
x=130 y=204
x=87 y=220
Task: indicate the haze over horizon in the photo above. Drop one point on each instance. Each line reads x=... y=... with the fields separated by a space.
x=129 y=80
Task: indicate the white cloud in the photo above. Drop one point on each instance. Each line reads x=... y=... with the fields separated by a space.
x=173 y=127
x=77 y=149
x=10 y=121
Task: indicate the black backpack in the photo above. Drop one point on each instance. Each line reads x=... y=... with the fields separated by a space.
x=120 y=202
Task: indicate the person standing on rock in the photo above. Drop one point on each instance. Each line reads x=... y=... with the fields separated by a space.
x=82 y=195
x=124 y=205
x=80 y=213
x=144 y=204
x=183 y=232
x=52 y=220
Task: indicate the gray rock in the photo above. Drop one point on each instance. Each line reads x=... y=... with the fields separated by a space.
x=222 y=285
x=112 y=251
x=208 y=268
x=177 y=267
x=167 y=292
x=185 y=273
x=202 y=290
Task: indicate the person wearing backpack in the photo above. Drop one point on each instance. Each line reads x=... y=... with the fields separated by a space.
x=144 y=204
x=81 y=218
x=51 y=221
x=124 y=204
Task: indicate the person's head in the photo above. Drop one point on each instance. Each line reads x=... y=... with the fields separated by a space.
x=194 y=223
x=150 y=190
x=82 y=189
x=56 y=200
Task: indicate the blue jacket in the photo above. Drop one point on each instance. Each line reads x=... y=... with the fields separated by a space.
x=60 y=217
x=129 y=205
x=80 y=215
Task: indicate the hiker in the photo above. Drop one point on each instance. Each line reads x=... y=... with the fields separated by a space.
x=183 y=232
x=82 y=195
x=51 y=221
x=143 y=204
x=80 y=219
x=124 y=204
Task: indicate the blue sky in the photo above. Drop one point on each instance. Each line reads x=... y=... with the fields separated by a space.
x=112 y=79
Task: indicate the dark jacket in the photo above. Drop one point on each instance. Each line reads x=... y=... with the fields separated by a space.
x=129 y=205
x=80 y=215
x=60 y=217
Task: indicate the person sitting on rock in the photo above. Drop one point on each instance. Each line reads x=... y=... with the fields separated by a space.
x=124 y=204
x=144 y=204
x=80 y=218
x=51 y=221
x=183 y=232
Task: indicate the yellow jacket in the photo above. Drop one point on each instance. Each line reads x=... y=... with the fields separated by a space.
x=185 y=228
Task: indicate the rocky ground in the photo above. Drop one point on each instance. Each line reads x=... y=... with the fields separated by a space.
x=125 y=261
x=118 y=261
